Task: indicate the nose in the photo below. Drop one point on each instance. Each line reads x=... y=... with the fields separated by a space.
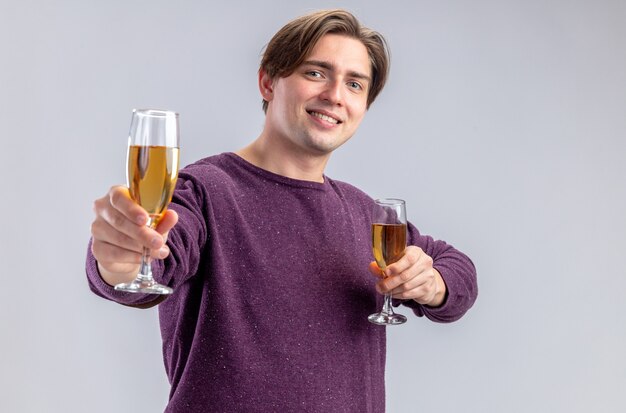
x=333 y=93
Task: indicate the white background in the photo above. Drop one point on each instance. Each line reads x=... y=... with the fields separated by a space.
x=503 y=126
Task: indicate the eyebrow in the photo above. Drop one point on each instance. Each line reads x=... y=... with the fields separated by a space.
x=329 y=66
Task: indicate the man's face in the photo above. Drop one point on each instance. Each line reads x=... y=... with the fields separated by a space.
x=319 y=106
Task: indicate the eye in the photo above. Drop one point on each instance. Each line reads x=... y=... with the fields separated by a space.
x=313 y=73
x=355 y=85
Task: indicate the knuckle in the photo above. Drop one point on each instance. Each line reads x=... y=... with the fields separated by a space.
x=412 y=256
x=99 y=205
x=99 y=251
x=94 y=248
x=94 y=228
x=114 y=195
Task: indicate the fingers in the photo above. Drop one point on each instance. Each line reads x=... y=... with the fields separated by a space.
x=421 y=288
x=119 y=231
x=103 y=232
x=110 y=254
x=411 y=277
x=120 y=234
x=121 y=222
x=119 y=198
x=413 y=256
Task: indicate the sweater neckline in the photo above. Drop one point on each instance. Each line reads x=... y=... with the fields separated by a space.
x=271 y=176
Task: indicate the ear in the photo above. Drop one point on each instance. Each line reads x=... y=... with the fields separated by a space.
x=266 y=86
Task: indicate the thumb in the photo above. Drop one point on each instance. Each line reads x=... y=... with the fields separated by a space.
x=170 y=218
x=375 y=269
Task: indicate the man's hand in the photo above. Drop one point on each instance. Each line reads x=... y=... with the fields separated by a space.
x=120 y=233
x=412 y=277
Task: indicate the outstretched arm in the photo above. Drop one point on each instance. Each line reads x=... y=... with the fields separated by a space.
x=433 y=278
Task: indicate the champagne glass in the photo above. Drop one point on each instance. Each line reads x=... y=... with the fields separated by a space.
x=152 y=162
x=388 y=244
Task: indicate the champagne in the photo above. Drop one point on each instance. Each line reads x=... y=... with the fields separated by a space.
x=388 y=242
x=152 y=173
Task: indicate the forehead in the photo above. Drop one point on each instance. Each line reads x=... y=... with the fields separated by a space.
x=343 y=53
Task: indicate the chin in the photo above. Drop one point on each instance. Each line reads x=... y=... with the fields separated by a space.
x=322 y=148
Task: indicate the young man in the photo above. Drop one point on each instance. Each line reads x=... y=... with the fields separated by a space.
x=270 y=259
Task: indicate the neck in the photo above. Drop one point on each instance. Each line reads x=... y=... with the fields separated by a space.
x=289 y=162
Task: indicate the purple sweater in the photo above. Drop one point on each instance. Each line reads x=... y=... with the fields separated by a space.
x=272 y=293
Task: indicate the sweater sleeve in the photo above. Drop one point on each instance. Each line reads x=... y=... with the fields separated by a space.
x=458 y=273
x=185 y=241
x=99 y=287
x=188 y=238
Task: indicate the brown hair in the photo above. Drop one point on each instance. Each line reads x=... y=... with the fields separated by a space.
x=293 y=43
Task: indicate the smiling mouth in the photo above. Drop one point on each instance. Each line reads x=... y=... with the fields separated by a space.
x=323 y=117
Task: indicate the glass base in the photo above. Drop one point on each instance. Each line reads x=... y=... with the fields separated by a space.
x=383 y=319
x=144 y=286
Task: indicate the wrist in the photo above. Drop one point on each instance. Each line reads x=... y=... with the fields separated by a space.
x=441 y=292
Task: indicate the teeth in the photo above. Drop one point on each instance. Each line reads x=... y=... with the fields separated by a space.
x=324 y=117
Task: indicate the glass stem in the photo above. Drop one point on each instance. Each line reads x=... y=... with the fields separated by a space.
x=387 y=308
x=145 y=269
